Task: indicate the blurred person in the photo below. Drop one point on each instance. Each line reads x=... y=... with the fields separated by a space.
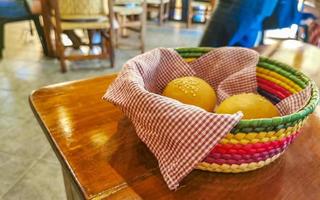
x=239 y=22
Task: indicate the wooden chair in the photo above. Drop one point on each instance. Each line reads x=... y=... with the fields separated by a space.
x=161 y=6
x=209 y=6
x=131 y=15
x=19 y=10
x=91 y=15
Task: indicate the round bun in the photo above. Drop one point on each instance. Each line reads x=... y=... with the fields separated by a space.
x=253 y=106
x=192 y=90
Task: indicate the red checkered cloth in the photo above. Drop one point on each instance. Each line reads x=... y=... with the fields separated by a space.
x=180 y=135
x=295 y=102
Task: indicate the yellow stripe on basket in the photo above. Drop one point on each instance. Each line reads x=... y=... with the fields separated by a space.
x=234 y=168
x=253 y=137
x=278 y=77
x=280 y=83
x=189 y=59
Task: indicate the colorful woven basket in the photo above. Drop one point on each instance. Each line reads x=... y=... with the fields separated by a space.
x=255 y=143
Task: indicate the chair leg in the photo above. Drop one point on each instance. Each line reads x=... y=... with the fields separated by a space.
x=143 y=19
x=41 y=35
x=75 y=39
x=31 y=29
x=116 y=34
x=143 y=35
x=189 y=15
x=108 y=45
x=161 y=12
x=63 y=64
x=148 y=14
x=117 y=30
x=60 y=52
x=123 y=30
x=111 y=53
x=189 y=22
x=90 y=36
x=104 y=45
x=1 y=39
x=166 y=11
x=111 y=47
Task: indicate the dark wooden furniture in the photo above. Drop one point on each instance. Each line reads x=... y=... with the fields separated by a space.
x=19 y=10
x=47 y=28
x=161 y=6
x=102 y=158
x=94 y=16
x=131 y=15
x=45 y=13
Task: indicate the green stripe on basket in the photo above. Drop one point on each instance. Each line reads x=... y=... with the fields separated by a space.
x=269 y=126
x=191 y=55
x=193 y=52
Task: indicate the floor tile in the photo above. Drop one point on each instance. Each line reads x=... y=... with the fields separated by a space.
x=23 y=139
x=50 y=156
x=15 y=104
x=43 y=181
x=12 y=169
x=4 y=125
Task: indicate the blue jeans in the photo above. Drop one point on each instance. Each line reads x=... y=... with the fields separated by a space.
x=13 y=9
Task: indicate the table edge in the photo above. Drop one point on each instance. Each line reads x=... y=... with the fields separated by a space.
x=55 y=148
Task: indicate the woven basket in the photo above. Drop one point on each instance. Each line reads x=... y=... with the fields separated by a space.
x=255 y=143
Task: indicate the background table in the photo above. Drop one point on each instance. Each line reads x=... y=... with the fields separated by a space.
x=102 y=158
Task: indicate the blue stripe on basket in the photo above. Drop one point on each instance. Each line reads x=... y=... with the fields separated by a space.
x=274 y=99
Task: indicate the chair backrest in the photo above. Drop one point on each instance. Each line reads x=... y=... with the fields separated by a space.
x=78 y=9
x=81 y=7
x=124 y=2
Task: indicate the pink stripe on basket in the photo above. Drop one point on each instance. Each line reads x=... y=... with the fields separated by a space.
x=237 y=154
x=239 y=161
x=271 y=90
x=251 y=148
x=278 y=88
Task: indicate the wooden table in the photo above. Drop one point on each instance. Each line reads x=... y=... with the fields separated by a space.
x=102 y=158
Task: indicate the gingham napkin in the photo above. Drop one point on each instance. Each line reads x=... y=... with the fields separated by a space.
x=179 y=135
x=295 y=102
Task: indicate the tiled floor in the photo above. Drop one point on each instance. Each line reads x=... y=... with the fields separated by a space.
x=28 y=167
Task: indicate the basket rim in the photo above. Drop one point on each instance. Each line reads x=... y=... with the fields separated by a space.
x=192 y=52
